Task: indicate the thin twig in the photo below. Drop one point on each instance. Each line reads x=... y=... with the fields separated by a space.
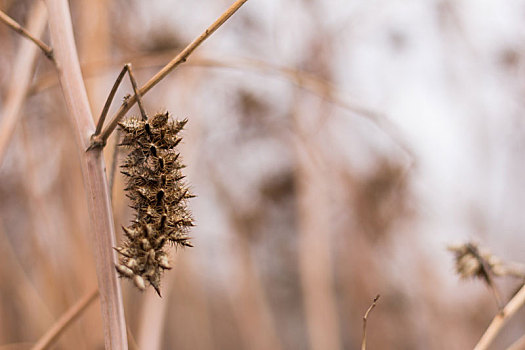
x=109 y=99
x=96 y=141
x=511 y=269
x=22 y=74
x=136 y=91
x=180 y=58
x=501 y=318
x=93 y=171
x=19 y=29
x=65 y=320
x=365 y=317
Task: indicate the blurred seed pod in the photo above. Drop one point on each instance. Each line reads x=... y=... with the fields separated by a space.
x=471 y=262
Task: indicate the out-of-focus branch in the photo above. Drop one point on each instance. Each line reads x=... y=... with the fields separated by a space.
x=518 y=344
x=180 y=58
x=22 y=74
x=307 y=81
x=365 y=318
x=501 y=318
x=93 y=171
x=19 y=29
x=65 y=320
x=314 y=255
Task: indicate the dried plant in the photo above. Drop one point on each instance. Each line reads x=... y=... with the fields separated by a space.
x=155 y=186
x=158 y=194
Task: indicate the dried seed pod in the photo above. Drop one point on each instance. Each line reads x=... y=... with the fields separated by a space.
x=158 y=194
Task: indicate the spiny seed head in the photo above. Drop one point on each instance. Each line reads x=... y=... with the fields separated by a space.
x=159 y=195
x=474 y=262
x=139 y=282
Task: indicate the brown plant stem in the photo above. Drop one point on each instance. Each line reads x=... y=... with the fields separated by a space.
x=314 y=256
x=19 y=29
x=501 y=318
x=365 y=318
x=93 y=171
x=21 y=78
x=180 y=58
x=65 y=320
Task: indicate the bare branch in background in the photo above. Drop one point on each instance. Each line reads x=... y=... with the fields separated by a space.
x=365 y=318
x=21 y=77
x=65 y=320
x=470 y=262
x=34 y=38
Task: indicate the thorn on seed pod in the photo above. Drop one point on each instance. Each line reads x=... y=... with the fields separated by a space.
x=130 y=232
x=139 y=282
x=132 y=263
x=164 y=263
x=151 y=255
x=126 y=271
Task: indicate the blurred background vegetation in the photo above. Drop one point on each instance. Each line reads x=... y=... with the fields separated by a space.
x=335 y=147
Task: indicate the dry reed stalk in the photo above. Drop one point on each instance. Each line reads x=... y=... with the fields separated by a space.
x=249 y=303
x=192 y=316
x=93 y=170
x=65 y=320
x=27 y=33
x=16 y=277
x=21 y=77
x=315 y=266
x=501 y=318
x=95 y=41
